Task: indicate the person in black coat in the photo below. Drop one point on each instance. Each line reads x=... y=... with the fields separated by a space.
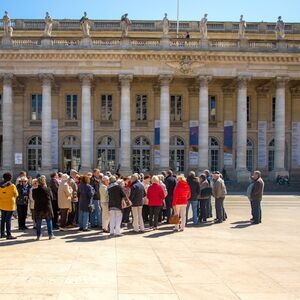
x=194 y=184
x=170 y=183
x=22 y=201
x=43 y=198
x=54 y=184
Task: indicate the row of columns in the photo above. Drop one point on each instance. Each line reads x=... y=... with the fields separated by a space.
x=125 y=123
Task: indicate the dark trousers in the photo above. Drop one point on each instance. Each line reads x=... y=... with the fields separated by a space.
x=126 y=214
x=203 y=210
x=55 y=213
x=220 y=212
x=63 y=217
x=256 y=211
x=6 y=220
x=153 y=214
x=73 y=215
x=209 y=208
x=145 y=213
x=169 y=208
x=22 y=214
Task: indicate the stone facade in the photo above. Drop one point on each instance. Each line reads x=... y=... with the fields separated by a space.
x=103 y=100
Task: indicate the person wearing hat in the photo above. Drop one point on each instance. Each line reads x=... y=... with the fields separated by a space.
x=64 y=199
x=22 y=202
x=219 y=192
x=8 y=195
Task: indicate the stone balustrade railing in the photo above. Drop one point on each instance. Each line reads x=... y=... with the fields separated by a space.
x=155 y=44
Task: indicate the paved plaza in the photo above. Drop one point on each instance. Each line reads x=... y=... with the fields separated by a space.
x=231 y=260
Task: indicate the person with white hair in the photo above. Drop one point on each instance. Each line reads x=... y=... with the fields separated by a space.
x=64 y=194
x=115 y=196
x=137 y=195
x=22 y=202
x=104 y=203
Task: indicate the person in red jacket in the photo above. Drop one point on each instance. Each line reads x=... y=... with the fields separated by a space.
x=155 y=195
x=182 y=193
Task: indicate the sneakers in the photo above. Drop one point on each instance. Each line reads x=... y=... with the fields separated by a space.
x=10 y=237
x=51 y=237
x=38 y=238
x=2 y=236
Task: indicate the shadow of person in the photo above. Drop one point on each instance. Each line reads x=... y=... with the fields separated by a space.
x=241 y=226
x=240 y=222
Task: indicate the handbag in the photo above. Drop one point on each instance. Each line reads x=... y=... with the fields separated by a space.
x=174 y=219
x=91 y=208
x=125 y=203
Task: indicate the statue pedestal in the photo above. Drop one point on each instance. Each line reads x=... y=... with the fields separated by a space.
x=282 y=45
x=165 y=42
x=204 y=43
x=86 y=42
x=244 y=44
x=6 y=41
x=125 y=42
x=242 y=175
x=46 y=42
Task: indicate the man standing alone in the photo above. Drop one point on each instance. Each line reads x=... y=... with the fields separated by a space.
x=256 y=196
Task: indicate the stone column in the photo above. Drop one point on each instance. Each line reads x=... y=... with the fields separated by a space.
x=46 y=123
x=203 y=123
x=241 y=139
x=279 y=155
x=86 y=123
x=165 y=121
x=125 y=125
x=7 y=119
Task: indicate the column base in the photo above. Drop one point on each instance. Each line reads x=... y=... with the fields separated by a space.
x=204 y=43
x=85 y=170
x=125 y=171
x=47 y=42
x=282 y=45
x=46 y=171
x=244 y=44
x=125 y=42
x=242 y=175
x=86 y=42
x=274 y=174
x=165 y=42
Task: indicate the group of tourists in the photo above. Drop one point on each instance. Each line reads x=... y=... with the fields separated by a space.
x=107 y=201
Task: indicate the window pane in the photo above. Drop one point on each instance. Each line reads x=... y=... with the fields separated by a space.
x=273 y=108
x=212 y=108
x=68 y=107
x=74 y=103
x=248 y=109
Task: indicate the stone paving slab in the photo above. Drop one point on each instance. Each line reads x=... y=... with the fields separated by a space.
x=232 y=260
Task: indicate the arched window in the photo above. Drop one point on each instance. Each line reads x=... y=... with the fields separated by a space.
x=271 y=153
x=141 y=155
x=106 y=154
x=71 y=153
x=34 y=153
x=250 y=155
x=177 y=154
x=214 y=153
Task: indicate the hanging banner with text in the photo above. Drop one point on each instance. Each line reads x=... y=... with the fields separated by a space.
x=157 y=142
x=262 y=144
x=194 y=143
x=228 y=141
x=296 y=144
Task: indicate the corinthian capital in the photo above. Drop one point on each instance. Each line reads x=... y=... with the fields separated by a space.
x=204 y=80
x=125 y=79
x=243 y=81
x=46 y=78
x=281 y=81
x=165 y=79
x=7 y=78
x=86 y=78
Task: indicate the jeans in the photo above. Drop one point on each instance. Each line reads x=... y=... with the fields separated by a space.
x=138 y=222
x=115 y=221
x=220 y=212
x=194 y=210
x=39 y=226
x=96 y=218
x=6 y=220
x=256 y=210
x=84 y=219
x=154 y=213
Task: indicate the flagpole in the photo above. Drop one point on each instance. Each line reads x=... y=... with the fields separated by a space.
x=177 y=31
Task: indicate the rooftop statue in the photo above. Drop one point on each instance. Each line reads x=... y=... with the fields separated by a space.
x=203 y=27
x=125 y=23
x=279 y=29
x=242 y=27
x=48 y=25
x=165 y=24
x=85 y=25
x=8 y=30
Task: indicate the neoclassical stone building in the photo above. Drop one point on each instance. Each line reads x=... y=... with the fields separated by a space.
x=149 y=101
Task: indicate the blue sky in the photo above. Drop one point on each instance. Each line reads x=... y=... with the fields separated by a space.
x=218 y=10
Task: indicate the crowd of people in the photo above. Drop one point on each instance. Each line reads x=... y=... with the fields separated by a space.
x=108 y=201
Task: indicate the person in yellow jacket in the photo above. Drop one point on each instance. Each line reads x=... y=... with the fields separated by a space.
x=8 y=195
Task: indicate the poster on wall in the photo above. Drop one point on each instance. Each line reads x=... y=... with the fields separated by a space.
x=157 y=142
x=18 y=158
x=262 y=144
x=194 y=142
x=228 y=141
x=54 y=142
x=296 y=144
